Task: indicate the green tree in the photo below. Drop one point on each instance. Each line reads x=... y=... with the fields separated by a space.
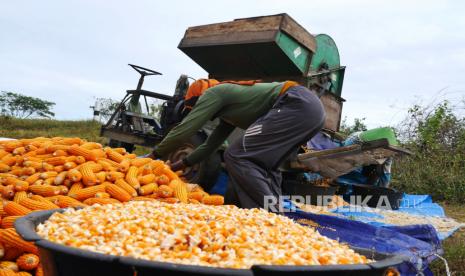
x=21 y=106
x=358 y=125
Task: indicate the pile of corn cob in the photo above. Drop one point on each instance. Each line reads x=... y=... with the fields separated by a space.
x=48 y=173
x=217 y=236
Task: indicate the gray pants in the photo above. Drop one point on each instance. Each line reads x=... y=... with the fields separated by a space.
x=252 y=161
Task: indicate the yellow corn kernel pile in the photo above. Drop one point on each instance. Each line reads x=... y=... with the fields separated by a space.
x=48 y=173
x=196 y=234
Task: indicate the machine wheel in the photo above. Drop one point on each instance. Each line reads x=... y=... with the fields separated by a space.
x=204 y=173
x=118 y=144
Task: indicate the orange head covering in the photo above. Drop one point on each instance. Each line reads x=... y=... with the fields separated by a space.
x=196 y=89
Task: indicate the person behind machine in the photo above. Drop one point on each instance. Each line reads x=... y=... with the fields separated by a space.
x=277 y=117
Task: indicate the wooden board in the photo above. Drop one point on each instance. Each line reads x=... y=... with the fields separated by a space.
x=247 y=30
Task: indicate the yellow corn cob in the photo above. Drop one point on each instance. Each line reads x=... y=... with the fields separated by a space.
x=163 y=180
x=33 y=178
x=2 y=212
x=101 y=176
x=23 y=273
x=113 y=176
x=21 y=185
x=7 y=191
x=69 y=165
x=147 y=179
x=196 y=195
x=88 y=176
x=34 y=164
x=91 y=145
x=120 y=150
x=125 y=186
x=7 y=272
x=47 y=167
x=28 y=261
x=3 y=153
x=8 y=159
x=180 y=190
x=102 y=195
x=49 y=181
x=158 y=167
x=4 y=167
x=14 y=209
x=114 y=155
x=75 y=187
x=138 y=162
x=67 y=201
x=28 y=171
x=11 y=238
x=146 y=169
x=44 y=190
x=80 y=160
x=165 y=191
x=63 y=189
x=110 y=162
x=131 y=177
x=87 y=154
x=130 y=156
x=75 y=175
x=71 y=141
x=60 y=178
x=60 y=152
x=37 y=205
x=88 y=192
x=94 y=200
x=148 y=189
x=38 y=182
x=106 y=166
x=168 y=172
x=56 y=161
x=11 y=145
x=213 y=200
x=9 y=221
x=99 y=153
x=9 y=265
x=16 y=171
x=124 y=165
x=41 y=198
x=95 y=166
x=118 y=193
x=19 y=151
x=59 y=169
x=48 y=174
x=53 y=148
x=19 y=196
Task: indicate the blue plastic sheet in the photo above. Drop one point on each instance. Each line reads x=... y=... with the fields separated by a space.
x=417 y=245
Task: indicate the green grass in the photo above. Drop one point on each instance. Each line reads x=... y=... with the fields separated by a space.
x=29 y=128
x=454 y=247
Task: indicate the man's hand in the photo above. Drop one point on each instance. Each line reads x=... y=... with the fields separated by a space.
x=178 y=166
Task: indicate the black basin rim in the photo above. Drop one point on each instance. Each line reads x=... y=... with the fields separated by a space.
x=27 y=224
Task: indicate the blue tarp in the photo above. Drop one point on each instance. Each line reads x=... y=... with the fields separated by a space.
x=413 y=204
x=416 y=244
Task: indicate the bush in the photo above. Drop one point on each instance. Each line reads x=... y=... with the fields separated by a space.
x=436 y=136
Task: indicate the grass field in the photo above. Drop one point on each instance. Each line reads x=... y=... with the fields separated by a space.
x=454 y=247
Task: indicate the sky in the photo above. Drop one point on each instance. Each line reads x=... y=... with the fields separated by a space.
x=397 y=53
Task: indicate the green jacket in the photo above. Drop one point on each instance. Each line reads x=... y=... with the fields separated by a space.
x=235 y=106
